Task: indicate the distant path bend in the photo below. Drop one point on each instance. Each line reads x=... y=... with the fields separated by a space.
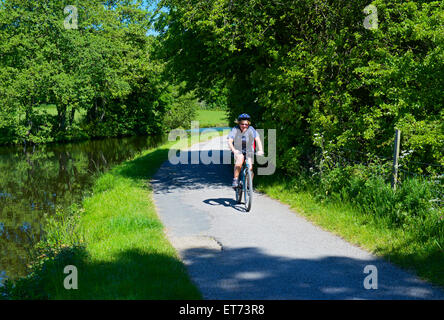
x=268 y=253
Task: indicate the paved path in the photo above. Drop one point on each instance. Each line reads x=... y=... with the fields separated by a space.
x=268 y=253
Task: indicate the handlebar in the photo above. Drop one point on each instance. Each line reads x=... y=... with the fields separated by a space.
x=256 y=153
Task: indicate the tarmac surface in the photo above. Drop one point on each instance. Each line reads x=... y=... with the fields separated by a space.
x=268 y=253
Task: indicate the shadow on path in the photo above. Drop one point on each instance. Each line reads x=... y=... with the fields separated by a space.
x=249 y=273
x=226 y=202
x=194 y=173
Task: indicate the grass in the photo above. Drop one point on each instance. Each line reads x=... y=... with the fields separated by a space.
x=129 y=256
x=405 y=246
x=212 y=118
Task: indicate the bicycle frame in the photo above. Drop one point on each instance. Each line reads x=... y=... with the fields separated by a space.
x=244 y=172
x=243 y=184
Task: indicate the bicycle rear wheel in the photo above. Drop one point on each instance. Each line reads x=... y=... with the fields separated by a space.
x=248 y=189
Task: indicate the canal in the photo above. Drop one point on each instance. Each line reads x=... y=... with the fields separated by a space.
x=38 y=180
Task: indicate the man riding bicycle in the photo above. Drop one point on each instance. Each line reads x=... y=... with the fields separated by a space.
x=241 y=141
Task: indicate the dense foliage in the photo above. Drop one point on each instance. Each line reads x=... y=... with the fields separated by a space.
x=103 y=69
x=312 y=70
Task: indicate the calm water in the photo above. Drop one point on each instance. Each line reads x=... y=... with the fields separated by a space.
x=37 y=180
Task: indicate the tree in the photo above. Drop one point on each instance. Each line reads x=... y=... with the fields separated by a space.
x=311 y=68
x=103 y=68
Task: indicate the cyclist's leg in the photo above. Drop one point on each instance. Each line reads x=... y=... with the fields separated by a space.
x=250 y=164
x=238 y=161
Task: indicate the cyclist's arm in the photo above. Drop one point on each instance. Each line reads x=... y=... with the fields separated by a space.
x=259 y=144
x=231 y=146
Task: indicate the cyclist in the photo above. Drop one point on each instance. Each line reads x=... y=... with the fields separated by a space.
x=242 y=141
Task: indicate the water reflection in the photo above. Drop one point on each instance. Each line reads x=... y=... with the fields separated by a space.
x=39 y=179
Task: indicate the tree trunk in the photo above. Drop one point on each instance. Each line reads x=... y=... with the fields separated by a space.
x=71 y=117
x=61 y=115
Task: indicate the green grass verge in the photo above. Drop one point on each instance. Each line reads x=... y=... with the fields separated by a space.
x=122 y=253
x=129 y=256
x=212 y=118
x=404 y=246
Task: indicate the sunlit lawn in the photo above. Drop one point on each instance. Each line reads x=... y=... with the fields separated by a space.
x=212 y=118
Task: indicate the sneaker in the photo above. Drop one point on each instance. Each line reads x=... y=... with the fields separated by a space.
x=235 y=183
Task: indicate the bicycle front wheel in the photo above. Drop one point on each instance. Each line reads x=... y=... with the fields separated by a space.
x=238 y=192
x=248 y=190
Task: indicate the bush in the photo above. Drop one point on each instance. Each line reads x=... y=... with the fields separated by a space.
x=365 y=188
x=181 y=112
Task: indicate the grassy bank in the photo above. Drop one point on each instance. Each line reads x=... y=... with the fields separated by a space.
x=116 y=241
x=415 y=242
x=212 y=118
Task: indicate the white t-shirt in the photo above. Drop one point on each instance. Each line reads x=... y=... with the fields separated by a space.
x=243 y=141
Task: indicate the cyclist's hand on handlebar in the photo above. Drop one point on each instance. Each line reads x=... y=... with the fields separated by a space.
x=260 y=153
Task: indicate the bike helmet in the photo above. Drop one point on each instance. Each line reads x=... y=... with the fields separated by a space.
x=243 y=116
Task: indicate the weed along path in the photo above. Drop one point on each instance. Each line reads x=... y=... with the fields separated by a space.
x=268 y=253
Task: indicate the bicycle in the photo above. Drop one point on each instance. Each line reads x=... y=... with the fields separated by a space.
x=245 y=185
